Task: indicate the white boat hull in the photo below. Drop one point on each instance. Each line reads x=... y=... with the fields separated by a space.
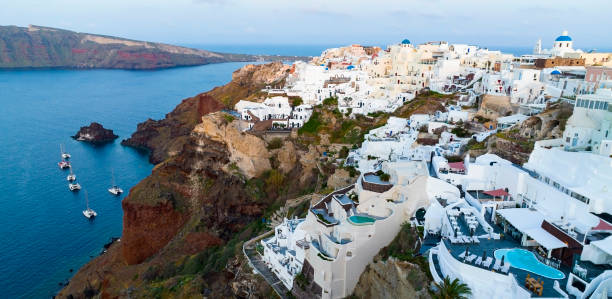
x=90 y=213
x=74 y=187
x=115 y=191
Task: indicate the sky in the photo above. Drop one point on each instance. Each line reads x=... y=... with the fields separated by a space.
x=514 y=23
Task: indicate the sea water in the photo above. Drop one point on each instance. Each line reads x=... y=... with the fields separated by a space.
x=43 y=232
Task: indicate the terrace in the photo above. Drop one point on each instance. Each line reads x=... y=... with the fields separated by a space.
x=374 y=182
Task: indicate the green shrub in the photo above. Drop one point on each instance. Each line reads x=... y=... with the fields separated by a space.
x=313 y=124
x=228 y=118
x=331 y=101
x=275 y=143
x=385 y=177
x=296 y=101
x=344 y=151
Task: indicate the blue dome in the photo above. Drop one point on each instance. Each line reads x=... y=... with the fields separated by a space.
x=555 y=72
x=405 y=42
x=563 y=38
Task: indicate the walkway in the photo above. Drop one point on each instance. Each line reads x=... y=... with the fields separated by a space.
x=255 y=261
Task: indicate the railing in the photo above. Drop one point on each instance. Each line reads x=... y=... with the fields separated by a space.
x=552 y=262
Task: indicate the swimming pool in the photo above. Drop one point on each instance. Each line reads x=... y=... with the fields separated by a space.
x=361 y=220
x=526 y=260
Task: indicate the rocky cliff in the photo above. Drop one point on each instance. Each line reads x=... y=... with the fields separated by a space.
x=185 y=223
x=45 y=47
x=516 y=143
x=397 y=272
x=166 y=137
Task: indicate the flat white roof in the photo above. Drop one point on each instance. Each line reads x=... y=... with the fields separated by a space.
x=530 y=222
x=605 y=245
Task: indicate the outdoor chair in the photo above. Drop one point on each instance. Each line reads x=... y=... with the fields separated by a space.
x=497 y=265
x=470 y=258
x=488 y=262
x=506 y=268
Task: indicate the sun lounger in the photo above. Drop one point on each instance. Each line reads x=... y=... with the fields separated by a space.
x=475 y=239
x=497 y=265
x=470 y=258
x=506 y=268
x=478 y=261
x=462 y=255
x=488 y=262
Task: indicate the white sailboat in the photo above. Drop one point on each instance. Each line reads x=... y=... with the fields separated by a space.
x=71 y=177
x=89 y=213
x=74 y=186
x=65 y=155
x=114 y=190
x=63 y=164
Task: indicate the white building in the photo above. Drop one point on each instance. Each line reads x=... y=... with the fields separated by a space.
x=590 y=125
x=284 y=252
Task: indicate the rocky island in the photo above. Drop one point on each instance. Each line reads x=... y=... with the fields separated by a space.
x=95 y=133
x=45 y=47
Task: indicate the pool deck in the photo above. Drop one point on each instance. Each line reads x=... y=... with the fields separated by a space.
x=490 y=246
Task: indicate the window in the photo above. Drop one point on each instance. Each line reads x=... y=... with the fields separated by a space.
x=591 y=104
x=596 y=106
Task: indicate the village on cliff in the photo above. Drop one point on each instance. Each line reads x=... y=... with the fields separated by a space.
x=506 y=230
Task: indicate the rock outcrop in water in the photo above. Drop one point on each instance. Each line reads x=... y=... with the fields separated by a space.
x=45 y=47
x=95 y=133
x=185 y=223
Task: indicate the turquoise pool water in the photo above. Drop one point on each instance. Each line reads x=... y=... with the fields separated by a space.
x=526 y=260
x=361 y=220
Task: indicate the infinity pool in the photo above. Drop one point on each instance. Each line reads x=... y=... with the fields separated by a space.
x=526 y=260
x=361 y=220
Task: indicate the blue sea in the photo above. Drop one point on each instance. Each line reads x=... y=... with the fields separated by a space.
x=43 y=231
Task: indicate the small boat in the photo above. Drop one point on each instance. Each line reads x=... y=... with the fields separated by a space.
x=65 y=155
x=115 y=190
x=74 y=186
x=63 y=164
x=71 y=177
x=89 y=213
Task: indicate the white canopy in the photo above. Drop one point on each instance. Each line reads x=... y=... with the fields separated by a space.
x=530 y=222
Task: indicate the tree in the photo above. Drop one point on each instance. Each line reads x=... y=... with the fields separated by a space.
x=451 y=289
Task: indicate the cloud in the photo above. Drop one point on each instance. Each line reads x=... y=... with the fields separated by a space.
x=315 y=11
x=402 y=13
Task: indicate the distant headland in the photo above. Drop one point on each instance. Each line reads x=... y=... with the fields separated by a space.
x=46 y=47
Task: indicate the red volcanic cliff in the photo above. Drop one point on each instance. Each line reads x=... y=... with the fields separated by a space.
x=146 y=229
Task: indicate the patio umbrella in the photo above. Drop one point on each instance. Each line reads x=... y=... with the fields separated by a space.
x=484 y=255
x=455 y=232
x=467 y=252
x=502 y=261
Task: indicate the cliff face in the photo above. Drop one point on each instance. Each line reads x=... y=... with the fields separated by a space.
x=166 y=137
x=396 y=272
x=515 y=144
x=44 y=47
x=185 y=223
x=392 y=279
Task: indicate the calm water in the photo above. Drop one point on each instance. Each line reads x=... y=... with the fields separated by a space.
x=42 y=228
